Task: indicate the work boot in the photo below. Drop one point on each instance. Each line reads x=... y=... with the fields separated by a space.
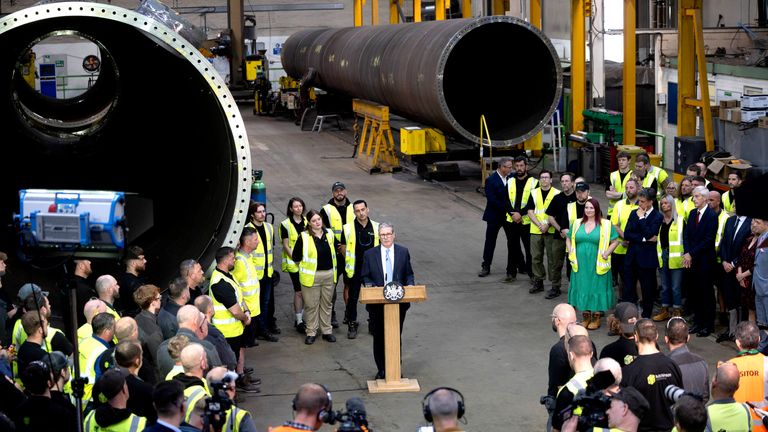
x=677 y=312
x=334 y=322
x=663 y=315
x=485 y=271
x=586 y=319
x=538 y=286
x=267 y=337
x=553 y=293
x=594 y=322
x=301 y=327
x=510 y=278
x=352 y=333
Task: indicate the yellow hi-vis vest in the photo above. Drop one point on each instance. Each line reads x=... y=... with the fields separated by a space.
x=308 y=264
x=731 y=417
x=90 y=350
x=676 y=251
x=540 y=209
x=175 y=370
x=530 y=184
x=728 y=202
x=350 y=235
x=721 y=219
x=577 y=383
x=571 y=211
x=655 y=173
x=264 y=259
x=684 y=208
x=248 y=280
x=334 y=218
x=222 y=318
x=619 y=218
x=19 y=336
x=133 y=423
x=193 y=394
x=619 y=186
x=603 y=265
x=293 y=235
x=233 y=419
x=84 y=331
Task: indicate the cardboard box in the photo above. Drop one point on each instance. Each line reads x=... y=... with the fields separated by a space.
x=721 y=167
x=752 y=115
x=733 y=115
x=729 y=103
x=754 y=101
x=762 y=122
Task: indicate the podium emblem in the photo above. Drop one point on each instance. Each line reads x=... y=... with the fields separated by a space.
x=393 y=292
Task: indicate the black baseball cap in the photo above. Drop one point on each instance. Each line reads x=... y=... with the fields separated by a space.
x=582 y=186
x=111 y=382
x=634 y=400
x=627 y=314
x=337 y=185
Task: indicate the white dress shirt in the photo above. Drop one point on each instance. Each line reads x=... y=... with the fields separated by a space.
x=384 y=261
x=503 y=179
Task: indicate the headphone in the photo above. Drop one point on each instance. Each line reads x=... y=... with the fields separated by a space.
x=428 y=412
x=325 y=415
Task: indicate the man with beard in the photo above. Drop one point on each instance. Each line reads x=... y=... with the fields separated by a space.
x=191 y=271
x=566 y=208
x=336 y=213
x=131 y=280
x=517 y=226
x=618 y=181
x=619 y=219
x=684 y=202
x=109 y=291
x=734 y=181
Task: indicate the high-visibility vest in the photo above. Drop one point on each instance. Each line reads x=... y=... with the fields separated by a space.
x=334 y=218
x=288 y=264
x=222 y=318
x=603 y=265
x=731 y=417
x=676 y=251
x=728 y=203
x=530 y=184
x=619 y=218
x=84 y=331
x=540 y=210
x=753 y=370
x=684 y=208
x=132 y=423
x=721 y=219
x=308 y=264
x=175 y=370
x=233 y=419
x=264 y=259
x=350 y=235
x=193 y=394
x=90 y=350
x=619 y=186
x=577 y=383
x=248 y=280
x=111 y=310
x=655 y=173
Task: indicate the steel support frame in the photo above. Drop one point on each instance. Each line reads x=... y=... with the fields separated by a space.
x=578 y=65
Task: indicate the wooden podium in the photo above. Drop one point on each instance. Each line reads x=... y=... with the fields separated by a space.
x=392 y=382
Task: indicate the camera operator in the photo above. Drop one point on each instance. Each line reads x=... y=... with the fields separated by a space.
x=690 y=415
x=237 y=419
x=628 y=406
x=580 y=359
x=309 y=402
x=724 y=412
x=609 y=364
x=443 y=407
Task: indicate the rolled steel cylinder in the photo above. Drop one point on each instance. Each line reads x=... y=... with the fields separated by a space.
x=158 y=122
x=442 y=73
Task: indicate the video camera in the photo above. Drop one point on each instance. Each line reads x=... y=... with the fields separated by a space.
x=353 y=419
x=674 y=393
x=219 y=403
x=591 y=403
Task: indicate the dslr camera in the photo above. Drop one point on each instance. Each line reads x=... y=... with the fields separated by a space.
x=219 y=403
x=352 y=419
x=591 y=403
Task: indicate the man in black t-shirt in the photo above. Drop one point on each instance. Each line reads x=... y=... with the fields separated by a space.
x=651 y=373
x=366 y=236
x=624 y=350
x=131 y=280
x=35 y=326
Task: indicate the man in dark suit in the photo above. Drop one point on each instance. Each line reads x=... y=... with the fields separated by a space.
x=735 y=234
x=642 y=260
x=699 y=245
x=388 y=262
x=495 y=215
x=168 y=398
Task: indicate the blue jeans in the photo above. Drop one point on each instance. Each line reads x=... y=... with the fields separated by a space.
x=265 y=293
x=671 y=283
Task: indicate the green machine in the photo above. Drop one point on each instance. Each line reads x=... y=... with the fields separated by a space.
x=604 y=126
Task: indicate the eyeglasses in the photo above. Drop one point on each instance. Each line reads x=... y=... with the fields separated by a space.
x=386 y=235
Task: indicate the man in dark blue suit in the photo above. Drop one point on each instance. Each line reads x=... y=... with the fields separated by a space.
x=735 y=234
x=495 y=215
x=699 y=246
x=388 y=262
x=642 y=260
x=168 y=398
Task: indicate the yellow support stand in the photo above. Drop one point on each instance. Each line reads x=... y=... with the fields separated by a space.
x=376 y=149
x=690 y=48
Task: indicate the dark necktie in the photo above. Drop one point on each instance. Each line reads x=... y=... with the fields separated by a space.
x=698 y=216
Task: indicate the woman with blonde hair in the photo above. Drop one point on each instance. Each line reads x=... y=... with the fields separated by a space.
x=669 y=249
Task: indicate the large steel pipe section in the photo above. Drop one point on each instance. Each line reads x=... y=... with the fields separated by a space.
x=442 y=73
x=159 y=122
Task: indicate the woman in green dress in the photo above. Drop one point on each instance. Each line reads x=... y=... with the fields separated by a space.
x=590 y=242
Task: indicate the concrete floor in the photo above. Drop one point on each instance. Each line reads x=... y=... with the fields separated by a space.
x=486 y=338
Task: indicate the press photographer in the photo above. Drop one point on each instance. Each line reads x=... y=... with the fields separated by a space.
x=220 y=411
x=626 y=409
x=579 y=352
x=313 y=407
